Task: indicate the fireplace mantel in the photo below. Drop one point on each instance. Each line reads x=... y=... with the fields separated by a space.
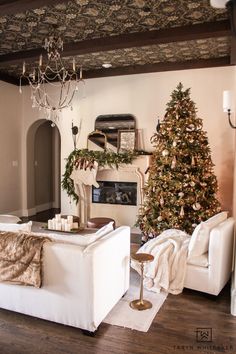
x=123 y=214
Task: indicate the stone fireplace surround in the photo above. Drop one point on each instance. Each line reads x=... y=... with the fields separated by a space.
x=123 y=214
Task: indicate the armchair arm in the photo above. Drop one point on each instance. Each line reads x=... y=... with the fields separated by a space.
x=220 y=254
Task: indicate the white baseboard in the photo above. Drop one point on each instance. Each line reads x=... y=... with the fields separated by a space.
x=33 y=211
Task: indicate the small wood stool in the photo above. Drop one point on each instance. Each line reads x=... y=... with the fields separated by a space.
x=141 y=304
x=97 y=223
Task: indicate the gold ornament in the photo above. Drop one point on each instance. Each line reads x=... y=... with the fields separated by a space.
x=181 y=211
x=161 y=201
x=174 y=143
x=165 y=153
x=173 y=163
x=159 y=218
x=197 y=206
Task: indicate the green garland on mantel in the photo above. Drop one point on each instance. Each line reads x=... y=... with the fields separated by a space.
x=103 y=158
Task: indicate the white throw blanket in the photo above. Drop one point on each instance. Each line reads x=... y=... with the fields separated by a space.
x=167 y=270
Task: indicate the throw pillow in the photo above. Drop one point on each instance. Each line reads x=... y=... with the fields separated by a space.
x=199 y=241
x=9 y=219
x=16 y=227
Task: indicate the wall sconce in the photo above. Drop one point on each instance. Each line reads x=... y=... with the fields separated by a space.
x=228 y=105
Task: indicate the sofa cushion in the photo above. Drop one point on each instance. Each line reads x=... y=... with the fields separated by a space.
x=9 y=219
x=200 y=261
x=199 y=241
x=16 y=227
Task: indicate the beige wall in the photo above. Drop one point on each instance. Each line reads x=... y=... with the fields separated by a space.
x=145 y=96
x=10 y=149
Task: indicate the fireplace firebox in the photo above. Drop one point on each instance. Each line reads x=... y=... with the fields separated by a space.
x=123 y=193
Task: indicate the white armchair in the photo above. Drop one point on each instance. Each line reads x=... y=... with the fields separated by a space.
x=212 y=277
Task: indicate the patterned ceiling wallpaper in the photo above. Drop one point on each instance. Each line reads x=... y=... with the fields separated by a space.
x=171 y=52
x=82 y=19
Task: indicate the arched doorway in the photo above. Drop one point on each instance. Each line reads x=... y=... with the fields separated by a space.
x=43 y=169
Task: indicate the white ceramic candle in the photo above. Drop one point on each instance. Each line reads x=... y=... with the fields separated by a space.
x=75 y=225
x=53 y=224
x=50 y=224
x=58 y=217
x=70 y=219
x=63 y=227
x=58 y=226
x=67 y=227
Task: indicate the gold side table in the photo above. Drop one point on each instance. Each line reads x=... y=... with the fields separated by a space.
x=141 y=304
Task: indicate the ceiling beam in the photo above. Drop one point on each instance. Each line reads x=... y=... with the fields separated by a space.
x=170 y=35
x=10 y=79
x=151 y=68
x=11 y=7
x=231 y=7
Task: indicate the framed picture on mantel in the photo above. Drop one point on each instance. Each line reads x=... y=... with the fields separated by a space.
x=127 y=140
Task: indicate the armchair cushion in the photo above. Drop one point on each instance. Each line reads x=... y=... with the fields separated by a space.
x=200 y=261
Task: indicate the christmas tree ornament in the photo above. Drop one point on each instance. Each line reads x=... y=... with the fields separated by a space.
x=196 y=206
x=161 y=201
x=192 y=183
x=181 y=194
x=193 y=161
x=159 y=218
x=181 y=211
x=174 y=144
x=173 y=163
x=165 y=153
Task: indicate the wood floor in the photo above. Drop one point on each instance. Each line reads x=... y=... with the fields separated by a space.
x=175 y=330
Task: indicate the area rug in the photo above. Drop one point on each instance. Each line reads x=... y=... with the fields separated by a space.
x=122 y=315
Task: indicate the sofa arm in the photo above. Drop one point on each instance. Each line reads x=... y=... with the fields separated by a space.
x=109 y=258
x=221 y=254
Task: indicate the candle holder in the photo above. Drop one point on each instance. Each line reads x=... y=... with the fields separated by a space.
x=229 y=118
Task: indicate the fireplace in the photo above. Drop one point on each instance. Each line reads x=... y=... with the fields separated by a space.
x=122 y=193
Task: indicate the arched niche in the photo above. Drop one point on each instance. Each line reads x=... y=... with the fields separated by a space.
x=34 y=182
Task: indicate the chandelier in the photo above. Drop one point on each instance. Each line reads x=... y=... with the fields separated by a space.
x=53 y=87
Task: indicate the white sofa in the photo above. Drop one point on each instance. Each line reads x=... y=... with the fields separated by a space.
x=80 y=284
x=212 y=278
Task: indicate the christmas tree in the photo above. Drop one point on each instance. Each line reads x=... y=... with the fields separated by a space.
x=181 y=188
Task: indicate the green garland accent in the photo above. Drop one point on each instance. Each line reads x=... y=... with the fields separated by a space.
x=103 y=158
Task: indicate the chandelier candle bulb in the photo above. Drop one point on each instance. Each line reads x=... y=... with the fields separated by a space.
x=80 y=73
x=23 y=68
x=40 y=60
x=73 y=64
x=227 y=101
